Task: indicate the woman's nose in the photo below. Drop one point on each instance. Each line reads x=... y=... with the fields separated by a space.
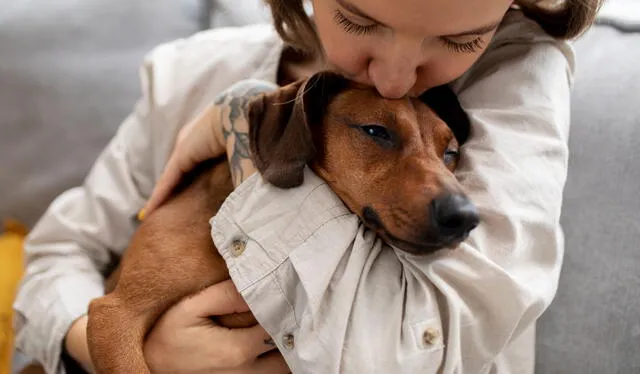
x=393 y=84
x=394 y=71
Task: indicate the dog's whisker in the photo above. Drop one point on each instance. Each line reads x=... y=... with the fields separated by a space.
x=398 y=219
x=402 y=214
x=405 y=221
x=400 y=210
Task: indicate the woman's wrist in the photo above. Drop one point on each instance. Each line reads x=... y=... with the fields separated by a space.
x=231 y=125
x=75 y=344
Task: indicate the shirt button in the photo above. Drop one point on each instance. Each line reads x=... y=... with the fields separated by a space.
x=430 y=336
x=237 y=247
x=287 y=341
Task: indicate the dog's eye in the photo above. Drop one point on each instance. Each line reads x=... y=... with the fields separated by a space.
x=376 y=131
x=451 y=156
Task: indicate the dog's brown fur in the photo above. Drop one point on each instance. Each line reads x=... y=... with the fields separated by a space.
x=317 y=122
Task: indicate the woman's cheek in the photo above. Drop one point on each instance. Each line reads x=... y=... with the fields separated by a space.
x=443 y=70
x=446 y=66
x=350 y=58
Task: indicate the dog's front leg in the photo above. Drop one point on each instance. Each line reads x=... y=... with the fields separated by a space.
x=171 y=256
x=117 y=336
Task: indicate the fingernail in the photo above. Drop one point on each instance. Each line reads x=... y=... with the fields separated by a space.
x=141 y=214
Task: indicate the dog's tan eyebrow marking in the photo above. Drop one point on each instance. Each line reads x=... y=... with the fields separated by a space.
x=345 y=120
x=386 y=118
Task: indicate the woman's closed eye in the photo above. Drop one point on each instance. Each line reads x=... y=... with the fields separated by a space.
x=469 y=46
x=352 y=27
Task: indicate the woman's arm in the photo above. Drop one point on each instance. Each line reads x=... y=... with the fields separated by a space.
x=339 y=300
x=220 y=128
x=73 y=243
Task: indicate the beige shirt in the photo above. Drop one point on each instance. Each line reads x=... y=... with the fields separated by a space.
x=335 y=298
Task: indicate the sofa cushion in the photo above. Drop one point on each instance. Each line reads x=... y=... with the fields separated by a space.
x=593 y=325
x=223 y=13
x=68 y=77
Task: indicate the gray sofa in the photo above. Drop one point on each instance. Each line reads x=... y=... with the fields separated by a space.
x=68 y=76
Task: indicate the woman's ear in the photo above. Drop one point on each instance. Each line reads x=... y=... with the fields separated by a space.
x=280 y=122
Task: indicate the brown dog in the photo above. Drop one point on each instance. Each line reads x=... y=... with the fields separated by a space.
x=390 y=161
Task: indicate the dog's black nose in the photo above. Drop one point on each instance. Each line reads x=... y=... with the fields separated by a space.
x=454 y=216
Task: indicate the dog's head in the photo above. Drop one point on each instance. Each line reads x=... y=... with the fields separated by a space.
x=390 y=161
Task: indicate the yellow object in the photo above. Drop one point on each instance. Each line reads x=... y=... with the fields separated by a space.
x=11 y=268
x=141 y=214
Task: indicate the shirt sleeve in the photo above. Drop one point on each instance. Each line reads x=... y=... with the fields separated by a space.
x=73 y=243
x=337 y=299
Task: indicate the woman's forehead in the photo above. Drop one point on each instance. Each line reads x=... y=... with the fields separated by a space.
x=432 y=17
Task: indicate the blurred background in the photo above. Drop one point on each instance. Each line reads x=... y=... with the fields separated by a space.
x=68 y=77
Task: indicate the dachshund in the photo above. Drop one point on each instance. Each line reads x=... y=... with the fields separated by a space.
x=390 y=161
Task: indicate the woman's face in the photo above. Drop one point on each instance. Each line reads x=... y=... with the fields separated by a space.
x=405 y=47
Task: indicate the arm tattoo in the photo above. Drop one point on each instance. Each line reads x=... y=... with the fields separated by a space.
x=236 y=128
x=240 y=150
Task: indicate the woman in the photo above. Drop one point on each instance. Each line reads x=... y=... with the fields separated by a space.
x=357 y=308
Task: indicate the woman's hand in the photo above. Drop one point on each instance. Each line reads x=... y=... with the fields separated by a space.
x=198 y=141
x=186 y=341
x=222 y=127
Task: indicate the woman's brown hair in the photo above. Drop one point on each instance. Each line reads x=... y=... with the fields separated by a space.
x=563 y=20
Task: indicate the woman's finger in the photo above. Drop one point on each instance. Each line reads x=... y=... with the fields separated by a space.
x=167 y=182
x=217 y=300
x=178 y=165
x=194 y=144
x=272 y=363
x=254 y=341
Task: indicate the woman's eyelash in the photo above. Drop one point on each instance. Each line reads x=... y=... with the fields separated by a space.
x=352 y=27
x=466 y=47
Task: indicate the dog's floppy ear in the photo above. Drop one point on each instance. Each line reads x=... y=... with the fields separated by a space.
x=444 y=102
x=280 y=127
